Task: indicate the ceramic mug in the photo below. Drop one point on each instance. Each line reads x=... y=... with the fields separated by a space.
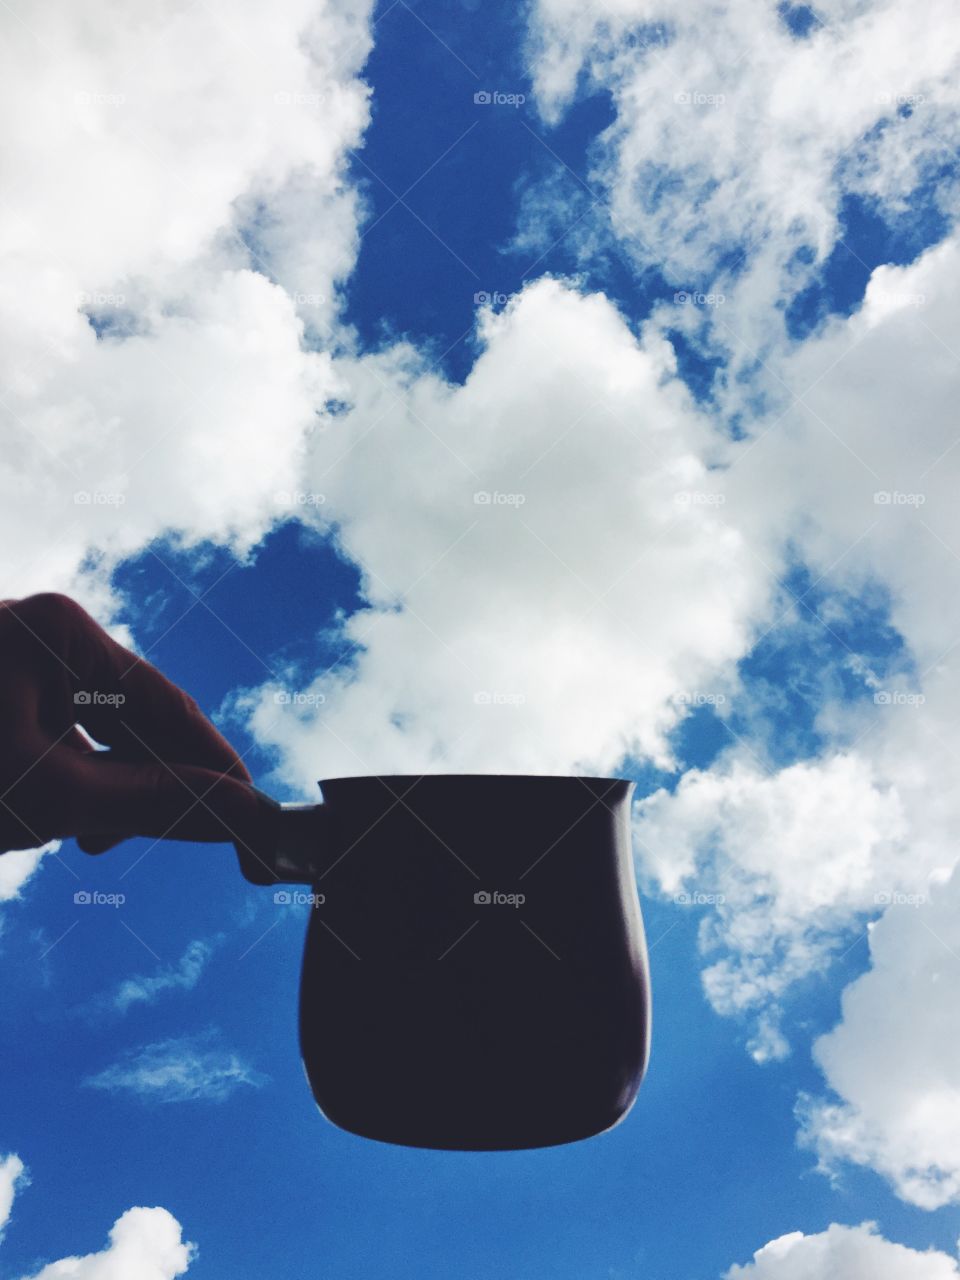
x=475 y=973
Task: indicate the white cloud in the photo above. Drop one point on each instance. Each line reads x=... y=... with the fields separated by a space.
x=541 y=550
x=794 y=857
x=853 y=1253
x=184 y=1069
x=632 y=572
x=141 y=144
x=18 y=866
x=734 y=141
x=185 y=976
x=877 y=417
x=892 y=1062
x=145 y=1244
x=146 y=988
x=13 y=1176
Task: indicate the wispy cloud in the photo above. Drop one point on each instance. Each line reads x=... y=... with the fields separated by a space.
x=184 y=1069
x=146 y=988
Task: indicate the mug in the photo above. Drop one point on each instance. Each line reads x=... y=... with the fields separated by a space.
x=475 y=974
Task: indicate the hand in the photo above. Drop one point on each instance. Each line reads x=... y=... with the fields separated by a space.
x=168 y=772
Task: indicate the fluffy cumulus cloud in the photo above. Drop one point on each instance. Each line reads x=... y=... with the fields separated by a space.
x=740 y=130
x=855 y=1253
x=786 y=861
x=808 y=854
x=166 y=158
x=891 y=1063
x=183 y=1069
x=556 y=555
x=145 y=1244
x=541 y=549
x=737 y=135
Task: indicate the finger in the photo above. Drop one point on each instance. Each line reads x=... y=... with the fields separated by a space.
x=120 y=698
x=99 y=844
x=101 y=797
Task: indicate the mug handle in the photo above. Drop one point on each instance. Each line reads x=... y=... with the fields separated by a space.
x=288 y=850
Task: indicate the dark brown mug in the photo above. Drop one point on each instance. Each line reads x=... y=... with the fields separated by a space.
x=475 y=973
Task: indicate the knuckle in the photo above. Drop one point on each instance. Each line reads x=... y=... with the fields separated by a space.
x=50 y=613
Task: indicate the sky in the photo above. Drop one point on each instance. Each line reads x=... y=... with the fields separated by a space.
x=604 y=356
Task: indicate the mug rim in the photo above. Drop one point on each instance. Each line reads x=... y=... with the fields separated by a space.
x=525 y=777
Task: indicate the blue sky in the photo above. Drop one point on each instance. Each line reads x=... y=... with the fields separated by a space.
x=707 y=1167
